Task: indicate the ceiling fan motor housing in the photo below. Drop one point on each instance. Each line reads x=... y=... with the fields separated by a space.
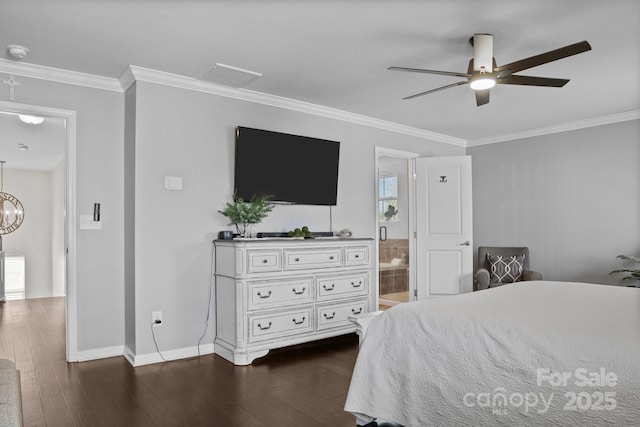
x=483 y=52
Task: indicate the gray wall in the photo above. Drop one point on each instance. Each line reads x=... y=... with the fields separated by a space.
x=129 y=221
x=34 y=237
x=100 y=129
x=572 y=197
x=58 y=243
x=190 y=134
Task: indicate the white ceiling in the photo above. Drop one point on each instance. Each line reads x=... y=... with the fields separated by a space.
x=45 y=143
x=336 y=53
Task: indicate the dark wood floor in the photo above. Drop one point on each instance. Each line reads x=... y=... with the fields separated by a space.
x=302 y=386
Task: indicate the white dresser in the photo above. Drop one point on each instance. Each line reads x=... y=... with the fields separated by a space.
x=272 y=293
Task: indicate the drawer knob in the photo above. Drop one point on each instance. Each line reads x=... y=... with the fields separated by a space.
x=330 y=317
x=331 y=257
x=264 y=328
x=356 y=312
x=264 y=296
x=264 y=261
x=333 y=285
x=300 y=322
x=299 y=293
x=357 y=255
x=297 y=259
x=356 y=285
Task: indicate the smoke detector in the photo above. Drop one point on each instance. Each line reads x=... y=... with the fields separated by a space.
x=17 y=51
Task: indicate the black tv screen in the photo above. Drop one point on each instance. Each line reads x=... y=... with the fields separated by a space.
x=289 y=168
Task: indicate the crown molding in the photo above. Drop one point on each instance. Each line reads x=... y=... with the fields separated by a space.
x=127 y=79
x=563 y=127
x=59 y=75
x=135 y=73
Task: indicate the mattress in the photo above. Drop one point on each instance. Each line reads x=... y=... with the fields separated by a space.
x=530 y=353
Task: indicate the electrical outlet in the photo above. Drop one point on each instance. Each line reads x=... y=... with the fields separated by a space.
x=156 y=318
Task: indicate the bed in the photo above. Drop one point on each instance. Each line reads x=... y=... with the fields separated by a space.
x=529 y=353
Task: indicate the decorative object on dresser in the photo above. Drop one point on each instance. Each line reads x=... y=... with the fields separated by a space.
x=303 y=232
x=272 y=293
x=242 y=214
x=345 y=233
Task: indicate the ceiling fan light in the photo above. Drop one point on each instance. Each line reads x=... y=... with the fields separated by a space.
x=483 y=82
x=31 y=120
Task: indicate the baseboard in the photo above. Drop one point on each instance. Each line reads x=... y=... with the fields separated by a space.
x=129 y=355
x=99 y=353
x=144 y=359
x=167 y=355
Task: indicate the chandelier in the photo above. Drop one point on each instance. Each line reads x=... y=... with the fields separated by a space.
x=11 y=210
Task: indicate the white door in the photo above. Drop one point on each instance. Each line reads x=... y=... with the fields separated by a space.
x=444 y=226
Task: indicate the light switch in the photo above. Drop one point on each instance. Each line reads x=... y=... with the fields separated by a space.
x=173 y=183
x=87 y=223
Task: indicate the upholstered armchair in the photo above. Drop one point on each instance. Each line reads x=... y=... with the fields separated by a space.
x=500 y=265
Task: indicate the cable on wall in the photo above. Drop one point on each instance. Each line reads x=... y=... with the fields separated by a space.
x=153 y=334
x=331 y=218
x=211 y=281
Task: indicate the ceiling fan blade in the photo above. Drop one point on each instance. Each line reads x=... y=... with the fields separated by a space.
x=436 y=90
x=533 y=81
x=421 y=70
x=543 y=58
x=482 y=97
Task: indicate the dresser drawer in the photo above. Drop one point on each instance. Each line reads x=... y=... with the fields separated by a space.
x=264 y=260
x=356 y=255
x=337 y=315
x=264 y=294
x=267 y=326
x=329 y=287
x=297 y=259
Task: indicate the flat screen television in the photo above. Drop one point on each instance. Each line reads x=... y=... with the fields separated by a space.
x=291 y=169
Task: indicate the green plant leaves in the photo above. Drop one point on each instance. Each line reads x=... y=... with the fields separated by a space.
x=251 y=212
x=633 y=274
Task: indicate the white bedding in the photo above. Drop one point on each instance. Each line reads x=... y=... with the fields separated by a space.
x=531 y=353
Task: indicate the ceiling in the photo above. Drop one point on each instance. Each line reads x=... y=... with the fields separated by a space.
x=336 y=53
x=32 y=147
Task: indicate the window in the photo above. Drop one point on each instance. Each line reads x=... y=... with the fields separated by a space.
x=388 y=198
x=14 y=277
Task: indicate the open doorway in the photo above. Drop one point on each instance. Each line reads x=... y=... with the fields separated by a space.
x=395 y=226
x=39 y=169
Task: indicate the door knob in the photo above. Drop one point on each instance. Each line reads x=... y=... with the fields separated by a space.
x=467 y=243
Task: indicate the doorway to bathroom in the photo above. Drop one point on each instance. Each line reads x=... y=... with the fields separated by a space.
x=395 y=220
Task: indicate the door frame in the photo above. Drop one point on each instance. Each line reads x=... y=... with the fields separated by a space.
x=411 y=174
x=70 y=214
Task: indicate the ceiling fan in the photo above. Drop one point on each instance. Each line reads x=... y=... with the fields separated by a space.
x=483 y=73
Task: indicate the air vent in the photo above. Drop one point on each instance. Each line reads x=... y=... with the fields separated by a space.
x=229 y=76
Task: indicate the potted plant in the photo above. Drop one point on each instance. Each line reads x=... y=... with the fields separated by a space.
x=634 y=274
x=242 y=213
